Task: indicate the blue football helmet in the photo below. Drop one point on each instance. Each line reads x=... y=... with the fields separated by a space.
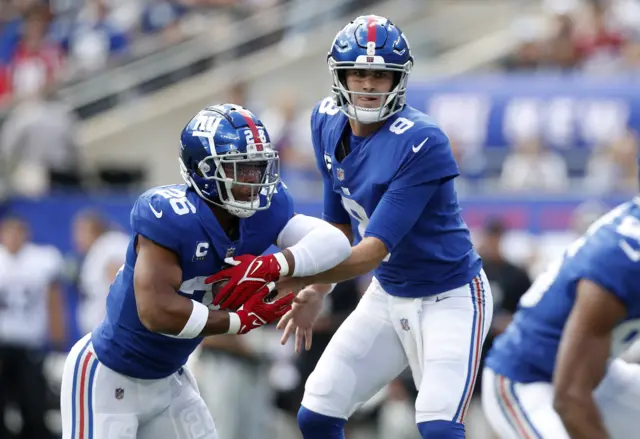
x=370 y=42
x=227 y=158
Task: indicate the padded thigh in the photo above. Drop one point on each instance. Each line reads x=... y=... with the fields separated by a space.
x=363 y=356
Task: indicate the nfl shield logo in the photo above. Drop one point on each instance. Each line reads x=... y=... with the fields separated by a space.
x=340 y=174
x=405 y=324
x=119 y=393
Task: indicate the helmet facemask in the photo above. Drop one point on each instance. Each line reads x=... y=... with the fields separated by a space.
x=249 y=175
x=391 y=102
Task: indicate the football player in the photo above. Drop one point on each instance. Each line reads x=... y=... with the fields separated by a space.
x=389 y=171
x=128 y=377
x=554 y=374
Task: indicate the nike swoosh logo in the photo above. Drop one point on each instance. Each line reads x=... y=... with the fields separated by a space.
x=256 y=268
x=155 y=212
x=439 y=299
x=631 y=253
x=419 y=147
x=257 y=320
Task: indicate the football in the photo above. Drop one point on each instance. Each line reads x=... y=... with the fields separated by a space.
x=215 y=289
x=271 y=296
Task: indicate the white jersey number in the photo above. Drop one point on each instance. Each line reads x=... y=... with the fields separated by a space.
x=358 y=213
x=400 y=125
x=328 y=106
x=178 y=200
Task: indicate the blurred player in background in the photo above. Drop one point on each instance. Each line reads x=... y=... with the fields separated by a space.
x=103 y=253
x=551 y=375
x=128 y=377
x=31 y=316
x=388 y=169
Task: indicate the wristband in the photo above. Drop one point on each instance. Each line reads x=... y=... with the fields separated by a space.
x=234 y=323
x=284 y=265
x=197 y=321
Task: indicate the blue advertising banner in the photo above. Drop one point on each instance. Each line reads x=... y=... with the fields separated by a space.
x=566 y=111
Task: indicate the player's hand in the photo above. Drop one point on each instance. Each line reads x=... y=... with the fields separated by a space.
x=301 y=318
x=290 y=285
x=256 y=311
x=245 y=277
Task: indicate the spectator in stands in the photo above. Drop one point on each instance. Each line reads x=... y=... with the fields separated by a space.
x=630 y=53
x=612 y=168
x=12 y=19
x=96 y=39
x=31 y=316
x=532 y=167
x=397 y=413
x=163 y=16
x=529 y=51
x=550 y=246
x=239 y=399
x=508 y=281
x=597 y=43
x=289 y=130
x=36 y=63
x=103 y=252
x=38 y=146
x=559 y=48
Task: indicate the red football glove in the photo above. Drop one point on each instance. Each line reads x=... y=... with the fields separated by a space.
x=248 y=274
x=256 y=312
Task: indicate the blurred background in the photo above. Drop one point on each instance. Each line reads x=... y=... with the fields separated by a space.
x=540 y=99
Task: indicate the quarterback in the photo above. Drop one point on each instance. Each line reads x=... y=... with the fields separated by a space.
x=389 y=172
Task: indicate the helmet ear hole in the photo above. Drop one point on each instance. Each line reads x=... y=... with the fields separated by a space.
x=342 y=78
x=397 y=77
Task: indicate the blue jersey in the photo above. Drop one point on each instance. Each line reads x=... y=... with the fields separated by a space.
x=397 y=185
x=609 y=255
x=177 y=219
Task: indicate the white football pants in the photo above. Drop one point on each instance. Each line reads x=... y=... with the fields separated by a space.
x=525 y=410
x=439 y=337
x=98 y=403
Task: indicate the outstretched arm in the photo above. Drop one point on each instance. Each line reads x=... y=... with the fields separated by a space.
x=398 y=211
x=582 y=358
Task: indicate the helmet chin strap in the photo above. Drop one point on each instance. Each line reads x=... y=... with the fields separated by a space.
x=237 y=210
x=241 y=209
x=367 y=115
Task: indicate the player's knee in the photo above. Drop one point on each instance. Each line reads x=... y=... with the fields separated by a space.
x=314 y=425
x=441 y=430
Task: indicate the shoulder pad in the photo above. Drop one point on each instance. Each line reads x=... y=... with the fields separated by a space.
x=162 y=214
x=282 y=200
x=325 y=107
x=615 y=247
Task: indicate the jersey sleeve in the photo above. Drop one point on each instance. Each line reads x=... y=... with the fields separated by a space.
x=152 y=217
x=427 y=164
x=428 y=158
x=398 y=211
x=614 y=266
x=333 y=211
